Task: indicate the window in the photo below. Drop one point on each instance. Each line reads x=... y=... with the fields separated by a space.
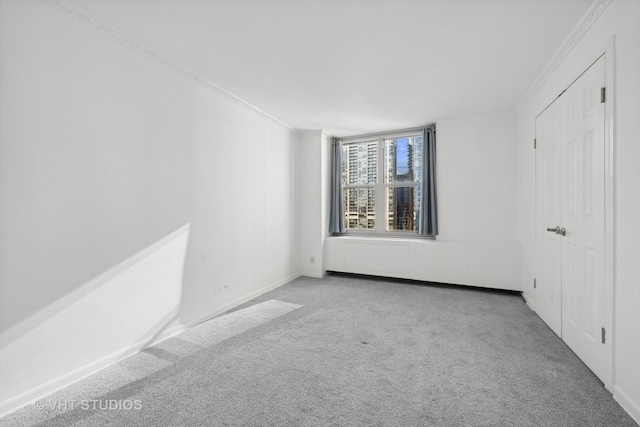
x=382 y=183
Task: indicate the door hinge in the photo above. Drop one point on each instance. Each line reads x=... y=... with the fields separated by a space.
x=534 y=283
x=603 y=335
x=535 y=143
x=603 y=94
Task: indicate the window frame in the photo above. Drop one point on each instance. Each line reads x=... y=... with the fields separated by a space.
x=380 y=187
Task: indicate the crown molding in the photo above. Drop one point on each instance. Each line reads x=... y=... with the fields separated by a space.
x=587 y=21
x=91 y=22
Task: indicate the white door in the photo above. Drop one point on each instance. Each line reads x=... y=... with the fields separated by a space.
x=549 y=216
x=583 y=297
x=570 y=194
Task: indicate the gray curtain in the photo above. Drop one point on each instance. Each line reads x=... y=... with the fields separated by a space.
x=428 y=224
x=336 y=214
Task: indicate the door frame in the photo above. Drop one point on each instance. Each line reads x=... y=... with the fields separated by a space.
x=609 y=196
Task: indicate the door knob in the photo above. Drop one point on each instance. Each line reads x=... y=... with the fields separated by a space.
x=561 y=231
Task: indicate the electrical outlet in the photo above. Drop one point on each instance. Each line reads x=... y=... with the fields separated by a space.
x=223 y=287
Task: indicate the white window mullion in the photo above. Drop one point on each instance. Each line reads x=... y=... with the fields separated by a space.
x=381 y=211
x=346 y=187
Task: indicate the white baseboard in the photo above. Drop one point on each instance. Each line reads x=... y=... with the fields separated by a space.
x=64 y=380
x=632 y=408
x=314 y=275
x=204 y=317
x=69 y=378
x=529 y=300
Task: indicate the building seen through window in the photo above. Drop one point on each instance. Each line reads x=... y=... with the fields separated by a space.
x=381 y=183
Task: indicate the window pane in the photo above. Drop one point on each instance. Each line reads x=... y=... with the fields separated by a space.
x=403 y=159
x=403 y=208
x=360 y=163
x=359 y=208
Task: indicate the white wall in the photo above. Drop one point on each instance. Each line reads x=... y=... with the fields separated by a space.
x=621 y=19
x=128 y=193
x=310 y=202
x=476 y=167
x=477 y=244
x=312 y=168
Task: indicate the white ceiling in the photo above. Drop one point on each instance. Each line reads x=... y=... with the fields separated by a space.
x=355 y=66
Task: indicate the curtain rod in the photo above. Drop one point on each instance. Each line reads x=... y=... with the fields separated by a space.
x=387 y=132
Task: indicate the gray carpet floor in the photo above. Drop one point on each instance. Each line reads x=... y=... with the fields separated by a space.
x=347 y=351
